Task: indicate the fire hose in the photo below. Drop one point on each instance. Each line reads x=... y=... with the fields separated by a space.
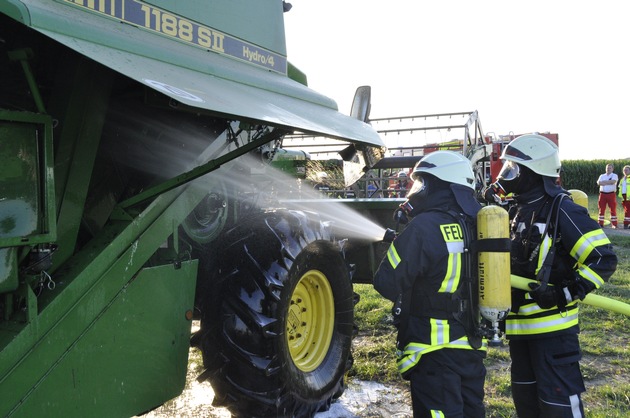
x=597 y=301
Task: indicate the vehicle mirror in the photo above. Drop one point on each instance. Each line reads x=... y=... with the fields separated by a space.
x=361 y=104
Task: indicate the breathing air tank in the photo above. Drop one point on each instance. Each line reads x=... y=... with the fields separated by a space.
x=494 y=266
x=579 y=197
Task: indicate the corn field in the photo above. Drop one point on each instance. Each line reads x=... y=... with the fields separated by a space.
x=583 y=175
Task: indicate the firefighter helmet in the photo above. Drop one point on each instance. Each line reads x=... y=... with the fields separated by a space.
x=448 y=166
x=533 y=151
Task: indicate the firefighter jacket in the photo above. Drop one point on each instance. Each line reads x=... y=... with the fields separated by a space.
x=623 y=188
x=583 y=261
x=421 y=273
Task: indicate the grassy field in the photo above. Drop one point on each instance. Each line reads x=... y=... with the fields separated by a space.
x=605 y=338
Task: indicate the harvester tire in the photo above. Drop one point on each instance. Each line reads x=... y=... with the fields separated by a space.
x=278 y=342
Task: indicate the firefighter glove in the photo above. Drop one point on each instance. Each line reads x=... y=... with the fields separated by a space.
x=490 y=195
x=493 y=193
x=549 y=296
x=580 y=288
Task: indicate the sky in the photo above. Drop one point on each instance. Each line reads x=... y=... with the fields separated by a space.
x=525 y=66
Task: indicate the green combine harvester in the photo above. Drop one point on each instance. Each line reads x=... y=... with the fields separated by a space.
x=123 y=126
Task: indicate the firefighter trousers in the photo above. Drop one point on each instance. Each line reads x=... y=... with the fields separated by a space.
x=448 y=382
x=546 y=377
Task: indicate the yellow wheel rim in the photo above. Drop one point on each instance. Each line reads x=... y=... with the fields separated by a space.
x=310 y=320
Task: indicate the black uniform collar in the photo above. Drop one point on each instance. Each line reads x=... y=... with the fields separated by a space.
x=533 y=195
x=551 y=187
x=453 y=197
x=466 y=200
x=441 y=198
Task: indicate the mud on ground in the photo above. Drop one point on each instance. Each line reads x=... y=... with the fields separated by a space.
x=360 y=400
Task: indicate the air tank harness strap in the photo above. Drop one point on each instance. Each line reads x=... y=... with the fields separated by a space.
x=438 y=306
x=545 y=269
x=491 y=245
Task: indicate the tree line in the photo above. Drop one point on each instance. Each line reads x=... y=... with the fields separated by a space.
x=583 y=174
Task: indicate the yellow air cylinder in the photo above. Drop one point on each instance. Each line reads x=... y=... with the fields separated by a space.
x=579 y=197
x=494 y=267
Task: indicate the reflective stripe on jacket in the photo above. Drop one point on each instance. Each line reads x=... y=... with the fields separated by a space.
x=410 y=356
x=534 y=320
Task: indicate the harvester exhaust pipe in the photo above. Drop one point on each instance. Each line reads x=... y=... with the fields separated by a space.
x=494 y=267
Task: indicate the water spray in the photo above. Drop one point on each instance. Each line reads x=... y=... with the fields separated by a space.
x=256 y=184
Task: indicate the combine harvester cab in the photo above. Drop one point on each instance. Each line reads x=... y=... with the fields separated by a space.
x=127 y=133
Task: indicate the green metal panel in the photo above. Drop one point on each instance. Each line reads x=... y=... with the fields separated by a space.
x=263 y=96
x=82 y=117
x=132 y=357
x=219 y=82
x=29 y=351
x=16 y=10
x=8 y=269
